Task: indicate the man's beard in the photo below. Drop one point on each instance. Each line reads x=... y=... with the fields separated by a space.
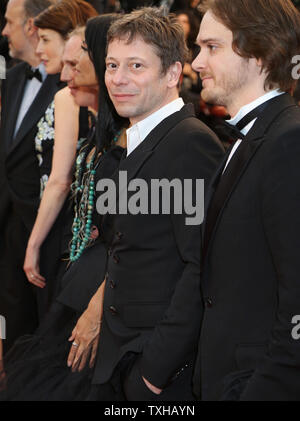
x=227 y=88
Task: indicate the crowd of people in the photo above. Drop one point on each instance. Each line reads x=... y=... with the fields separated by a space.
x=107 y=290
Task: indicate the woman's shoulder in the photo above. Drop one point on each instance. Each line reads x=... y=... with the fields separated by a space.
x=64 y=97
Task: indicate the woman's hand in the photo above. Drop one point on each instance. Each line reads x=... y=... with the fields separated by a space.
x=31 y=266
x=85 y=337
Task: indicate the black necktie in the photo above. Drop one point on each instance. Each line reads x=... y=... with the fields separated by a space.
x=30 y=74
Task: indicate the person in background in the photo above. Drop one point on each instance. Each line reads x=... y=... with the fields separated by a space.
x=49 y=347
x=25 y=94
x=3 y=40
x=190 y=85
x=58 y=134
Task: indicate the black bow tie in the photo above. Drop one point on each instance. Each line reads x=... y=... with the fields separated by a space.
x=30 y=74
x=227 y=132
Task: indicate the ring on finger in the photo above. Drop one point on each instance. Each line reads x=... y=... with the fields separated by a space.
x=75 y=344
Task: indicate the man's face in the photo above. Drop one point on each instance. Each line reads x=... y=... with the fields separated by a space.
x=70 y=58
x=83 y=96
x=134 y=80
x=15 y=28
x=226 y=77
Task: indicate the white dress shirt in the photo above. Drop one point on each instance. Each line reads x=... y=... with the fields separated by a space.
x=137 y=133
x=246 y=109
x=31 y=89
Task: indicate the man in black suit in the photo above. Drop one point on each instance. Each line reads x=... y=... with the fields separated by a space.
x=248 y=349
x=151 y=302
x=25 y=95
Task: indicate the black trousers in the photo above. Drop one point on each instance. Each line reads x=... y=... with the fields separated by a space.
x=18 y=302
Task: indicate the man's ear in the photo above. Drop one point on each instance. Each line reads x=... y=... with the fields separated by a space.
x=259 y=66
x=30 y=28
x=259 y=62
x=173 y=74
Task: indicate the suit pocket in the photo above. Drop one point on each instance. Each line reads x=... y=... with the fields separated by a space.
x=234 y=384
x=248 y=356
x=144 y=314
x=134 y=386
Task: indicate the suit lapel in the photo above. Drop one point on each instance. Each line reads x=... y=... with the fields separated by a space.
x=14 y=104
x=135 y=161
x=254 y=140
x=37 y=109
x=213 y=184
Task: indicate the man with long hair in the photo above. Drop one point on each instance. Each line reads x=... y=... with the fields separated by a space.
x=250 y=258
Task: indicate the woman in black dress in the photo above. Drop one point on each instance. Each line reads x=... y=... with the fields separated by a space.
x=45 y=243
x=36 y=368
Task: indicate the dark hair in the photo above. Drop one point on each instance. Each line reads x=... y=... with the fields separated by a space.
x=164 y=33
x=194 y=26
x=268 y=30
x=64 y=16
x=109 y=122
x=33 y=8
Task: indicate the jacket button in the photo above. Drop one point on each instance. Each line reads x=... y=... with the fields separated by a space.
x=208 y=302
x=119 y=235
x=113 y=310
x=116 y=258
x=112 y=283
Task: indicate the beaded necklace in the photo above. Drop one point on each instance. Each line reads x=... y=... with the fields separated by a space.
x=83 y=189
x=84 y=194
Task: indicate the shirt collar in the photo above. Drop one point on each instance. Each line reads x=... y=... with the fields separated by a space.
x=144 y=127
x=249 y=107
x=43 y=71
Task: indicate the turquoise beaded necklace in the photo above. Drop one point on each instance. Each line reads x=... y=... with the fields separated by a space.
x=83 y=190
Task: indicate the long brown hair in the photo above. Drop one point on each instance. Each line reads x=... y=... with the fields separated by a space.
x=268 y=30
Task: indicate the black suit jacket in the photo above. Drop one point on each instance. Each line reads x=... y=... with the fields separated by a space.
x=20 y=191
x=250 y=276
x=152 y=303
x=19 y=182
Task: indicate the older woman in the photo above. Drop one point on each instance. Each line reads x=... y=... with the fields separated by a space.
x=36 y=368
